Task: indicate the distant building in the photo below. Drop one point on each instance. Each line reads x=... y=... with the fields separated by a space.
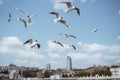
x=40 y=74
x=56 y=76
x=69 y=63
x=48 y=67
x=115 y=71
x=13 y=71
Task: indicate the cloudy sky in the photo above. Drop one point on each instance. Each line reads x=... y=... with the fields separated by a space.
x=99 y=48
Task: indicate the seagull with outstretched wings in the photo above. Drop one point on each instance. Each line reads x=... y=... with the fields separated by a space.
x=70 y=7
x=68 y=35
x=33 y=43
x=29 y=20
x=59 y=19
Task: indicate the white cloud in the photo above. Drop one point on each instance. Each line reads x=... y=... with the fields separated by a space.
x=84 y=1
x=91 y=59
x=1 y=2
x=117 y=62
x=77 y=56
x=115 y=49
x=12 y=46
x=54 y=55
x=53 y=62
x=59 y=6
x=95 y=54
x=58 y=64
x=95 y=48
x=119 y=12
x=87 y=54
x=118 y=38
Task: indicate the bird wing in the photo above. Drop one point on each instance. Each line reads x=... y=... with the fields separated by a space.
x=72 y=36
x=73 y=47
x=60 y=44
x=65 y=23
x=56 y=42
x=33 y=15
x=78 y=10
x=26 y=13
x=9 y=17
x=65 y=35
x=38 y=45
x=22 y=11
x=55 y=13
x=28 y=41
x=24 y=22
x=68 y=4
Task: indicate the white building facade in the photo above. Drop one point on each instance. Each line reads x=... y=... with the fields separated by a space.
x=115 y=71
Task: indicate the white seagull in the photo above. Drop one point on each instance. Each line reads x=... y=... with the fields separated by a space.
x=9 y=17
x=72 y=47
x=70 y=7
x=57 y=42
x=94 y=30
x=59 y=19
x=33 y=44
x=29 y=20
x=68 y=35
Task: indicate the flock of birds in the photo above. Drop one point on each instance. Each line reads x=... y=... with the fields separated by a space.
x=58 y=19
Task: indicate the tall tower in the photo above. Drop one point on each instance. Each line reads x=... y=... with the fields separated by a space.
x=69 y=63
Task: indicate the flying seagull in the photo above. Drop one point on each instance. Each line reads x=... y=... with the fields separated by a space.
x=68 y=35
x=94 y=30
x=29 y=20
x=72 y=47
x=9 y=17
x=59 y=19
x=24 y=22
x=70 y=7
x=33 y=43
x=57 y=42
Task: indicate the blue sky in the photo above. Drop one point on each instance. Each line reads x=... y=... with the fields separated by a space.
x=99 y=48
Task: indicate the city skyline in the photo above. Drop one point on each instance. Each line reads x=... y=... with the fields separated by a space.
x=97 y=32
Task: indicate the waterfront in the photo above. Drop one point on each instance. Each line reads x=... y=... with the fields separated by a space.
x=80 y=78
